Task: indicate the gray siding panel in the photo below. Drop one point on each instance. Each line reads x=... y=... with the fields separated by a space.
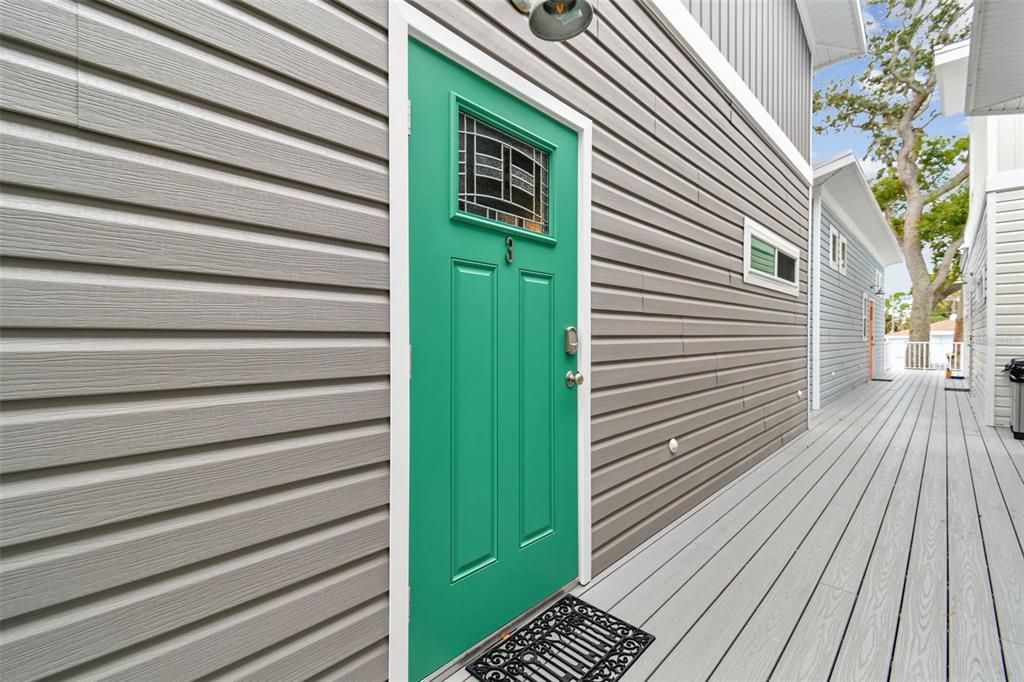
x=195 y=363
x=761 y=40
x=844 y=352
x=195 y=350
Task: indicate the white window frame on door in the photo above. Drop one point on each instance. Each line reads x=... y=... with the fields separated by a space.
x=404 y=22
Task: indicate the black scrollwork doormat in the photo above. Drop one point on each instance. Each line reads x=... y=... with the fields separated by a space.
x=571 y=640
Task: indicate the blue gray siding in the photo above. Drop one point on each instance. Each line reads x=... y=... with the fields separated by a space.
x=762 y=39
x=844 y=353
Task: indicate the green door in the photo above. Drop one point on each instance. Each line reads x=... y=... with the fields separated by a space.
x=493 y=209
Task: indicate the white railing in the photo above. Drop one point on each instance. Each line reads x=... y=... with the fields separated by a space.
x=955 y=358
x=917 y=355
x=903 y=354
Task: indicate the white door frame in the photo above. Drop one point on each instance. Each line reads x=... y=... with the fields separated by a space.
x=404 y=21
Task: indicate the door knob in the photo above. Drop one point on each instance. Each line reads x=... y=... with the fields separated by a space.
x=573 y=378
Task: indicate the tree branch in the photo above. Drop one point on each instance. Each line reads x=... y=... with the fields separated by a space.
x=942 y=272
x=949 y=185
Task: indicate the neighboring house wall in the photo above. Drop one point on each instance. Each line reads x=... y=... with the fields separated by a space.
x=844 y=352
x=761 y=40
x=195 y=373
x=1008 y=224
x=195 y=367
x=976 y=300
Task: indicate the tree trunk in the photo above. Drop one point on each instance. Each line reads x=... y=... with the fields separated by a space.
x=920 y=313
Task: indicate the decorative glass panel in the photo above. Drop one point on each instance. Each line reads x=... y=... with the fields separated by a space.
x=762 y=256
x=501 y=177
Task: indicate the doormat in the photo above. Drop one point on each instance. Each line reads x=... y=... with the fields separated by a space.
x=571 y=640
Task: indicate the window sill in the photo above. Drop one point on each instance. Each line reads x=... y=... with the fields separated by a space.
x=765 y=282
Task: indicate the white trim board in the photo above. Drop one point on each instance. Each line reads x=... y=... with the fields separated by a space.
x=404 y=22
x=674 y=16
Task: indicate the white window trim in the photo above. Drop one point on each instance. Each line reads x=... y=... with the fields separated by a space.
x=751 y=276
x=844 y=254
x=864 y=317
x=833 y=237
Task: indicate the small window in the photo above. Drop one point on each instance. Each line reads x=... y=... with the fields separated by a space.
x=769 y=260
x=833 y=248
x=879 y=282
x=842 y=255
x=501 y=177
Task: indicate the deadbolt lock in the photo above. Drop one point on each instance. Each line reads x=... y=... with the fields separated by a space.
x=572 y=341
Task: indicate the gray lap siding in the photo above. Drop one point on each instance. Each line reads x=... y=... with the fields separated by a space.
x=844 y=352
x=195 y=353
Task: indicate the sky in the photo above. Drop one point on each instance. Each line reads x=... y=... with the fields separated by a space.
x=830 y=144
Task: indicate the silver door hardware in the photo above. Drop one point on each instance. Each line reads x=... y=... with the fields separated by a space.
x=573 y=379
x=572 y=341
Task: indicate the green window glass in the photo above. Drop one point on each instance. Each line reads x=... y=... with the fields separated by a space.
x=762 y=256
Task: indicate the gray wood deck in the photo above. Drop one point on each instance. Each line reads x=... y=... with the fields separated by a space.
x=885 y=542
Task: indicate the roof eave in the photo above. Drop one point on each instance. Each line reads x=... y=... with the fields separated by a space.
x=829 y=44
x=881 y=239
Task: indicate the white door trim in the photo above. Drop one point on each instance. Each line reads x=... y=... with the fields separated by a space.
x=404 y=22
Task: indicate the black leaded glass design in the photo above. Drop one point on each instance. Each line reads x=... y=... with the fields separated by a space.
x=501 y=177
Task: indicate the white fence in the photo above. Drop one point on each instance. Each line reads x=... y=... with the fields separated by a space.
x=940 y=353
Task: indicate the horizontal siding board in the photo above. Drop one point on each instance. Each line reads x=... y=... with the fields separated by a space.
x=50 y=645
x=129 y=49
x=69 y=300
x=330 y=25
x=67 y=162
x=204 y=650
x=45 y=437
x=80 y=233
x=38 y=578
x=80 y=500
x=266 y=47
x=36 y=87
x=37 y=367
x=114 y=108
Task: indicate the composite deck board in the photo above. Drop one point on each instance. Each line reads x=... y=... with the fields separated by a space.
x=833 y=558
x=614 y=583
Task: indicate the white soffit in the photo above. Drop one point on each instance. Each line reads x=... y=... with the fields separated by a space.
x=995 y=71
x=834 y=30
x=951 y=73
x=843 y=180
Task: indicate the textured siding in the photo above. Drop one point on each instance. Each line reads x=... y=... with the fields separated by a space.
x=683 y=348
x=195 y=360
x=195 y=346
x=1008 y=220
x=844 y=352
x=763 y=39
x=976 y=304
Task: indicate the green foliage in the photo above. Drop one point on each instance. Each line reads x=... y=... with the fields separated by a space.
x=897 y=311
x=921 y=187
